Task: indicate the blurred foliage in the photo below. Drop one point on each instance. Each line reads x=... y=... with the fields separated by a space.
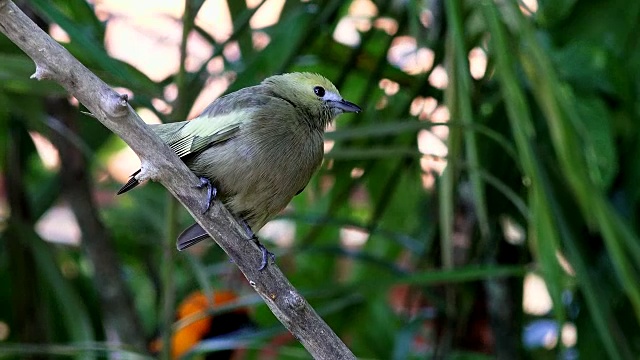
x=544 y=141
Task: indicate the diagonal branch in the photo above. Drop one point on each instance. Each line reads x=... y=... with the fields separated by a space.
x=161 y=164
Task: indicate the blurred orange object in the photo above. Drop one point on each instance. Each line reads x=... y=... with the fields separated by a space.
x=204 y=325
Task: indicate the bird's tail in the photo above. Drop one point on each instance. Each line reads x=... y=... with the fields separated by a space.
x=191 y=236
x=133 y=182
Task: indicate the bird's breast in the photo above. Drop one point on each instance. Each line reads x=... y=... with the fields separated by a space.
x=259 y=171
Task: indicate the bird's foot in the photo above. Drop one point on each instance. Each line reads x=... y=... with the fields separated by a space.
x=211 y=192
x=266 y=254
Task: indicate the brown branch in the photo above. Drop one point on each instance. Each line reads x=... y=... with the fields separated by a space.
x=161 y=164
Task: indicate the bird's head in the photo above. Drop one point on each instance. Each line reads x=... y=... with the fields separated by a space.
x=313 y=95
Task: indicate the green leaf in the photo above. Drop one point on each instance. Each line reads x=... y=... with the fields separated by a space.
x=551 y=12
x=597 y=139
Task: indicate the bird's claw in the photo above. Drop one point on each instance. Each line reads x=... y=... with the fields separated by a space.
x=266 y=254
x=211 y=192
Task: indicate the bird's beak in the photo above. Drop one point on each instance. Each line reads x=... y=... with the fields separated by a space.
x=346 y=106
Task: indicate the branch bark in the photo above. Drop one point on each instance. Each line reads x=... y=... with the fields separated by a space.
x=161 y=164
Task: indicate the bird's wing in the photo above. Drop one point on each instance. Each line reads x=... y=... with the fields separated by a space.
x=188 y=137
x=220 y=121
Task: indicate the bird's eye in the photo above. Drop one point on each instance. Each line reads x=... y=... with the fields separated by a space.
x=319 y=90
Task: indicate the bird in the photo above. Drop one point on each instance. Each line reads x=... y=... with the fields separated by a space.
x=256 y=148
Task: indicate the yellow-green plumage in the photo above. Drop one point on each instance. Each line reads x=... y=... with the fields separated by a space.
x=259 y=146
